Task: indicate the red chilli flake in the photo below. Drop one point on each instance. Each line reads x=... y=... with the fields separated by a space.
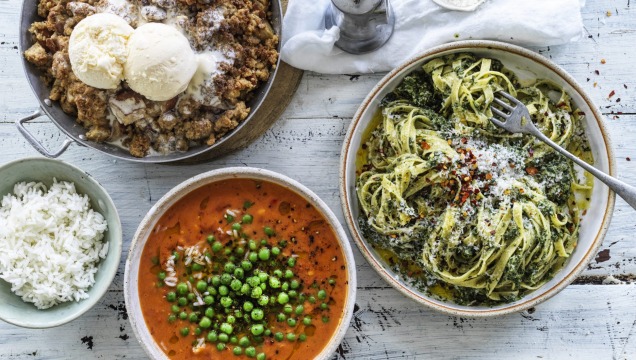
x=628 y=159
x=597 y=72
x=612 y=93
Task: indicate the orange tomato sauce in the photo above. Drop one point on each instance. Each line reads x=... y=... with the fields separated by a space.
x=203 y=212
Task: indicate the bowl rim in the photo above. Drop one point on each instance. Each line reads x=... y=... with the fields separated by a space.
x=91 y=301
x=467 y=45
x=209 y=177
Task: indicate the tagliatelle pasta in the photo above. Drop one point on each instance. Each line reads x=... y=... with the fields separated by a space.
x=473 y=213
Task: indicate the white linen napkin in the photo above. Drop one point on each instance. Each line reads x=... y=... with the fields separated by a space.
x=422 y=24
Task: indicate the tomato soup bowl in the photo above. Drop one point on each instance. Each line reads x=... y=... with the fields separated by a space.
x=147 y=230
x=526 y=65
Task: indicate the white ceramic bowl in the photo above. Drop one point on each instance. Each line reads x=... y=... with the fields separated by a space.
x=527 y=65
x=131 y=292
x=15 y=311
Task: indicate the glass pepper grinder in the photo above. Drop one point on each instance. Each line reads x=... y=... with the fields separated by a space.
x=365 y=25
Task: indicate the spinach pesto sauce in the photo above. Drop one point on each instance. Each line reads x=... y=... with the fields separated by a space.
x=435 y=178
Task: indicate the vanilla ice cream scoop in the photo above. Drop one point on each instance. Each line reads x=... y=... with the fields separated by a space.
x=98 y=50
x=160 y=62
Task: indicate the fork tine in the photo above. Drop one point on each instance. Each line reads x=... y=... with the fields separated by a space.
x=503 y=104
x=500 y=124
x=509 y=97
x=498 y=112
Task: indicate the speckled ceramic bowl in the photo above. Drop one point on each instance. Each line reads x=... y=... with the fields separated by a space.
x=527 y=65
x=15 y=311
x=131 y=292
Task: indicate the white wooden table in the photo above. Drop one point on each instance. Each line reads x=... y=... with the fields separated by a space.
x=595 y=318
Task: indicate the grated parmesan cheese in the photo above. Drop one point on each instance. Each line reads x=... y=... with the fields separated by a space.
x=50 y=243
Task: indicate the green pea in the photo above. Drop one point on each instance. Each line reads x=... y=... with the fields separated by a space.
x=301 y=298
x=260 y=356
x=283 y=298
x=274 y=282
x=229 y=218
x=183 y=315
x=226 y=302
x=209 y=312
x=263 y=300
x=269 y=231
x=332 y=281
x=262 y=276
x=197 y=267
x=230 y=319
x=256 y=292
x=291 y=337
x=223 y=337
x=227 y=252
x=202 y=285
x=322 y=294
x=312 y=299
x=193 y=317
x=210 y=239
x=161 y=275
x=302 y=337
x=220 y=346
x=223 y=290
x=291 y=262
x=263 y=254
x=238 y=313
x=226 y=328
x=237 y=351
x=248 y=306
x=216 y=280
x=239 y=273
x=253 y=257
x=182 y=301
x=172 y=318
x=245 y=289
x=250 y=351
x=175 y=255
x=226 y=279
x=275 y=251
x=205 y=322
x=279 y=336
x=246 y=265
x=198 y=331
x=208 y=299
x=190 y=297
x=257 y=329
x=185 y=331
x=175 y=308
x=288 y=309
x=267 y=332
x=217 y=246
x=236 y=226
x=299 y=310
x=293 y=294
x=257 y=314
x=285 y=286
x=291 y=322
x=325 y=319
x=182 y=288
x=247 y=219
x=212 y=336
x=252 y=245
x=324 y=306
x=244 y=341
x=307 y=321
x=239 y=251
x=294 y=284
x=288 y=273
x=236 y=285
x=278 y=273
x=171 y=296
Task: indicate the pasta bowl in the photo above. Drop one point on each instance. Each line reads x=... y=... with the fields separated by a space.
x=526 y=65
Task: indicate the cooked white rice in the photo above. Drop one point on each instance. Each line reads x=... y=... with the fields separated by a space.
x=50 y=243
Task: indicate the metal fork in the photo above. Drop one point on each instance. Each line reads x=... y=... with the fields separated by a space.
x=517 y=120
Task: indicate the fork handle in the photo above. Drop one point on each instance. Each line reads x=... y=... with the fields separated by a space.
x=627 y=192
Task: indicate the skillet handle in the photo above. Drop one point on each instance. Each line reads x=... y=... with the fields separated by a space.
x=34 y=142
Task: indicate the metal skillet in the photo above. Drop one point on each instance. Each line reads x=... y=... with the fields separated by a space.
x=74 y=132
